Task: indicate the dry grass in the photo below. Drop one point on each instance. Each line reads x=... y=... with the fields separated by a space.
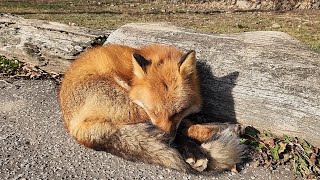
x=104 y=14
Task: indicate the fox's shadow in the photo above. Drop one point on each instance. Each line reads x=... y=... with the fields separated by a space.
x=218 y=102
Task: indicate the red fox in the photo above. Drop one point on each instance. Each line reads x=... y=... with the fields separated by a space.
x=131 y=102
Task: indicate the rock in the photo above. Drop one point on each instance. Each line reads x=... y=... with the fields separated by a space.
x=265 y=79
x=48 y=45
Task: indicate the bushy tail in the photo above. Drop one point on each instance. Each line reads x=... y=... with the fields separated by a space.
x=143 y=142
x=225 y=150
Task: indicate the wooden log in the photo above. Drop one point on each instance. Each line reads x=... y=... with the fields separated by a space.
x=48 y=45
x=265 y=79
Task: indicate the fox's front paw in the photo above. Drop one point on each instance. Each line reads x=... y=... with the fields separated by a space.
x=198 y=164
x=196 y=157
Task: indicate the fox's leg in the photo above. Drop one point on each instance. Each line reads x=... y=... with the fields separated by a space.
x=203 y=132
x=219 y=140
x=191 y=152
x=137 y=142
x=199 y=153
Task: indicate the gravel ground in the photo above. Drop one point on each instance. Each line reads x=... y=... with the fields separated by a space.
x=35 y=145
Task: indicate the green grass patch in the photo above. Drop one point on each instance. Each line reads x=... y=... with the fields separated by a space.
x=9 y=66
x=271 y=151
x=12 y=68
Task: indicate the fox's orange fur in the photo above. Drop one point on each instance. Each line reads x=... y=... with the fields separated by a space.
x=111 y=95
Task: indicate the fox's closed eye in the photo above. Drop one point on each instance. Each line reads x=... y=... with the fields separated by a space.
x=175 y=115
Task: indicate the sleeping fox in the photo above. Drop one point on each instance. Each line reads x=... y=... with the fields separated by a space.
x=131 y=102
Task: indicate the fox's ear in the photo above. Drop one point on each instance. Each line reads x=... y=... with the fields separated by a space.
x=187 y=63
x=139 y=65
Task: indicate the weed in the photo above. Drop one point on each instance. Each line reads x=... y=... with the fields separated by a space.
x=9 y=66
x=272 y=151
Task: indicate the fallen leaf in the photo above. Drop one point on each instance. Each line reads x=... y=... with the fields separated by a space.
x=282 y=147
x=268 y=141
x=312 y=159
x=286 y=158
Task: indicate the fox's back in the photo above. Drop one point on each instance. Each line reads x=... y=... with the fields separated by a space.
x=107 y=60
x=88 y=85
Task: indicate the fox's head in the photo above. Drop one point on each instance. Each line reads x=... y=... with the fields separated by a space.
x=165 y=85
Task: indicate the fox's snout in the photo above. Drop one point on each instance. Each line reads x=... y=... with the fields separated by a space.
x=169 y=126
